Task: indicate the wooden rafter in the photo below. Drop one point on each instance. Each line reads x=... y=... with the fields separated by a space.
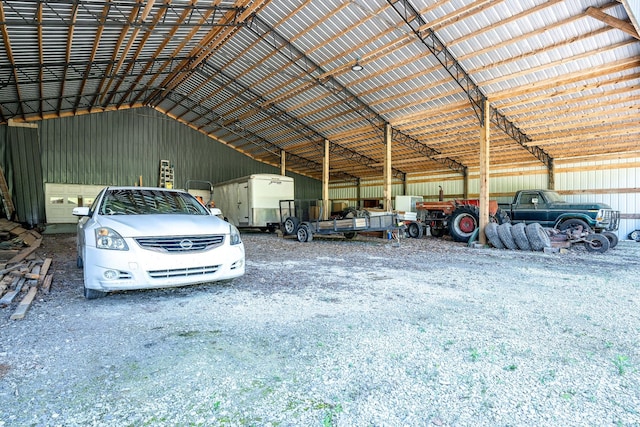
x=612 y=21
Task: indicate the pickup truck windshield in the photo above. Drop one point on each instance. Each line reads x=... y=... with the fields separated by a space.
x=553 y=197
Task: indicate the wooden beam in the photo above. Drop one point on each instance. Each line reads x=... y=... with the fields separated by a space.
x=484 y=170
x=387 y=168
x=612 y=21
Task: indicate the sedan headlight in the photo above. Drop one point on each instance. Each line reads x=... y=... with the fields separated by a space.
x=107 y=238
x=234 y=235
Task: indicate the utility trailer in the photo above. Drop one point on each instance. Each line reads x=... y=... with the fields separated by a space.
x=302 y=218
x=253 y=201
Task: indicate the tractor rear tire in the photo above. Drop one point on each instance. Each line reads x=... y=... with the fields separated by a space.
x=504 y=232
x=537 y=236
x=491 y=231
x=464 y=221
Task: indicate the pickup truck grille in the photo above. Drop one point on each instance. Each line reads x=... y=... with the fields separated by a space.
x=612 y=219
x=180 y=244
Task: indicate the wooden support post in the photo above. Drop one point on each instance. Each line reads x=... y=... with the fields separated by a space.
x=387 y=168
x=358 y=194
x=484 y=171
x=465 y=183
x=325 y=182
x=283 y=160
x=552 y=175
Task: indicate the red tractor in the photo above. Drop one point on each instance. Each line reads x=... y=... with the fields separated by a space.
x=459 y=218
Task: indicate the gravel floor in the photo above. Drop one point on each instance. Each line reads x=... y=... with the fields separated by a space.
x=337 y=333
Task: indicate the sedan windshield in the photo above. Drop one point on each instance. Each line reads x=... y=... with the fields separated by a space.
x=147 y=202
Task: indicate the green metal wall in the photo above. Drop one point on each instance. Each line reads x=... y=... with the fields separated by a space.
x=119 y=146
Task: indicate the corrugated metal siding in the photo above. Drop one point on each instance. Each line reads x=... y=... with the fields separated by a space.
x=25 y=174
x=117 y=147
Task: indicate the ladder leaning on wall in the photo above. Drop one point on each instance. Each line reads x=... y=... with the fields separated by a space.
x=166 y=174
x=7 y=202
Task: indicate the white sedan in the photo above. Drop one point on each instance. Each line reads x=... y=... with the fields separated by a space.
x=142 y=238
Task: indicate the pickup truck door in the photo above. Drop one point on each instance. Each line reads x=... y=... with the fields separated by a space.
x=526 y=210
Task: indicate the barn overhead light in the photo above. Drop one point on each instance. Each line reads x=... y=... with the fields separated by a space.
x=357 y=66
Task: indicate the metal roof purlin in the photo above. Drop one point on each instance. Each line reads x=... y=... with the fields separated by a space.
x=417 y=24
x=286 y=118
x=319 y=77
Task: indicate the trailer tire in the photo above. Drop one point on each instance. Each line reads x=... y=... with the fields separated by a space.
x=537 y=236
x=464 y=221
x=504 y=232
x=491 y=231
x=350 y=234
x=596 y=243
x=304 y=233
x=414 y=230
x=291 y=225
x=520 y=236
x=613 y=238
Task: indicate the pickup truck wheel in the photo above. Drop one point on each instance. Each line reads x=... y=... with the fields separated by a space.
x=537 y=236
x=491 y=231
x=464 y=221
x=573 y=224
x=415 y=230
x=520 y=236
x=304 y=233
x=291 y=225
x=613 y=238
x=596 y=243
x=504 y=232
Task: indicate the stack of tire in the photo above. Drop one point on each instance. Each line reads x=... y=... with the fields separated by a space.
x=531 y=237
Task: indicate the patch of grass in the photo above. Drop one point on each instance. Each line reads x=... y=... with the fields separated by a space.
x=474 y=354
x=448 y=344
x=548 y=376
x=510 y=368
x=622 y=363
x=568 y=394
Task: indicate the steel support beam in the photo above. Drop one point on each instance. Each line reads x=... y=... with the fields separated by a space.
x=448 y=61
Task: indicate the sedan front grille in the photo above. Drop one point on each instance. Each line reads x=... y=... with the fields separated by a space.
x=183 y=272
x=180 y=243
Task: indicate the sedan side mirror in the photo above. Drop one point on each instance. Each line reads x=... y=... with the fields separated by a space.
x=81 y=211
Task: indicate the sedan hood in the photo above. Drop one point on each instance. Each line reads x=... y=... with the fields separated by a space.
x=164 y=225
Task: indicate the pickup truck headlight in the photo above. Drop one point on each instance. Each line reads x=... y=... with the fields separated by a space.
x=234 y=235
x=106 y=238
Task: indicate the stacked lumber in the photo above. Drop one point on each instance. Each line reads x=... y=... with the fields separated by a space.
x=22 y=274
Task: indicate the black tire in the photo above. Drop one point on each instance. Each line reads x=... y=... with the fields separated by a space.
x=635 y=235
x=500 y=217
x=437 y=232
x=491 y=231
x=520 y=236
x=350 y=234
x=613 y=238
x=303 y=233
x=537 y=236
x=414 y=230
x=504 y=232
x=464 y=221
x=79 y=262
x=93 y=294
x=573 y=224
x=291 y=225
x=596 y=243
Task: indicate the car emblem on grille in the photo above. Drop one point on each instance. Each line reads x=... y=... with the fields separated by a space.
x=186 y=244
